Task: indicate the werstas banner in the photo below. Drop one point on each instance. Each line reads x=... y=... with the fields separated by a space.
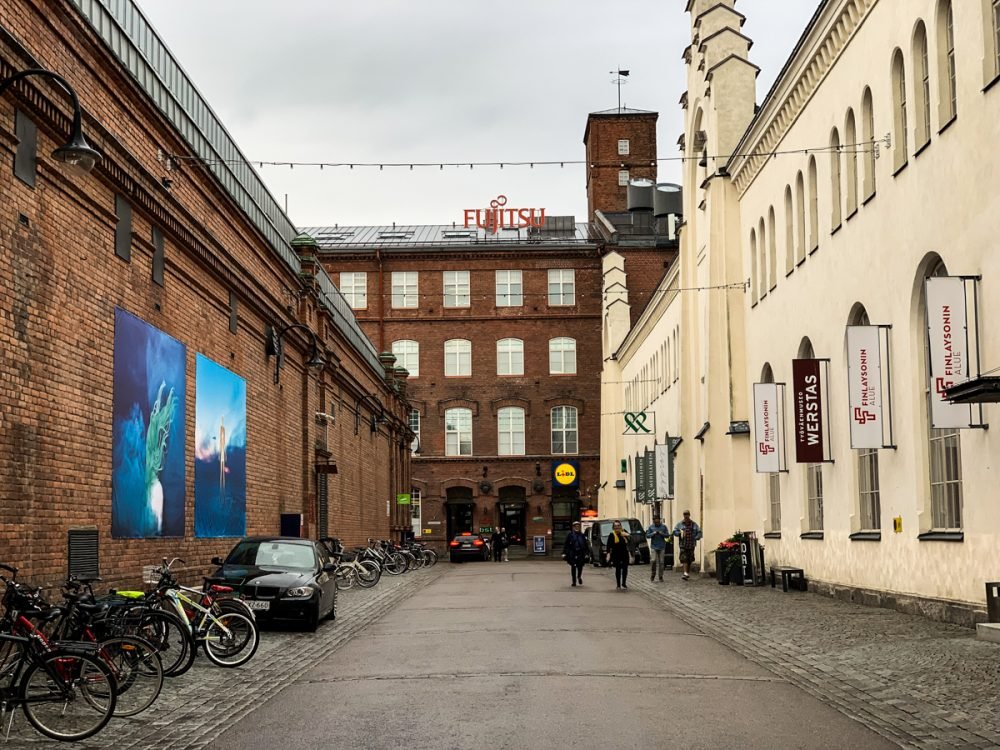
x=806 y=385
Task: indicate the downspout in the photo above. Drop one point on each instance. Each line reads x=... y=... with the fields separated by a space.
x=381 y=302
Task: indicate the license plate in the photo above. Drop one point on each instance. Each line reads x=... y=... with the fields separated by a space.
x=257 y=604
x=466 y=546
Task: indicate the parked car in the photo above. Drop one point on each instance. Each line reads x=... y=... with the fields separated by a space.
x=598 y=533
x=469 y=546
x=282 y=579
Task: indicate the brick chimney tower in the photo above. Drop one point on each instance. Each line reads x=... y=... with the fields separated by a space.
x=621 y=146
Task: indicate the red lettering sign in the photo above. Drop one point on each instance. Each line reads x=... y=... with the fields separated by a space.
x=498 y=216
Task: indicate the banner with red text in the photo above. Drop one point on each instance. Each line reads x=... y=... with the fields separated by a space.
x=948 y=340
x=767 y=428
x=864 y=385
x=806 y=385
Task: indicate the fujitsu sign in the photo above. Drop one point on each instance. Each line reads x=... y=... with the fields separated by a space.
x=498 y=216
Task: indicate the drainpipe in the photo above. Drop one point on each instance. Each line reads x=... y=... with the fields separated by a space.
x=381 y=302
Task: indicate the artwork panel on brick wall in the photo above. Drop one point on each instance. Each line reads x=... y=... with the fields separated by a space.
x=148 y=451
x=220 y=451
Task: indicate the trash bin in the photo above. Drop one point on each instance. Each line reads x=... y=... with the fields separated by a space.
x=993 y=601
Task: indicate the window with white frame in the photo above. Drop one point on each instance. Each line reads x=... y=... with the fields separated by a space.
x=354 y=287
x=510 y=357
x=404 y=288
x=622 y=177
x=562 y=286
x=623 y=146
x=562 y=356
x=407 y=355
x=458 y=432
x=415 y=515
x=414 y=422
x=510 y=429
x=457 y=358
x=564 y=430
x=868 y=490
x=510 y=292
x=456 y=288
x=774 y=500
x=814 y=496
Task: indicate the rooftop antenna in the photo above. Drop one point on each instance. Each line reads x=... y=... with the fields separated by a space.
x=619 y=79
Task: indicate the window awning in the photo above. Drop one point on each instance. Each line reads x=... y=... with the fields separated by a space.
x=984 y=389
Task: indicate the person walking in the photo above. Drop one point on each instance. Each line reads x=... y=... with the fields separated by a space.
x=504 y=543
x=576 y=551
x=658 y=535
x=495 y=542
x=618 y=553
x=688 y=532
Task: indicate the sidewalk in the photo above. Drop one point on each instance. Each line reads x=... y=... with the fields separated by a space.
x=917 y=682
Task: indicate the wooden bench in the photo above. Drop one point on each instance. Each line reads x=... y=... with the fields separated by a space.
x=789 y=576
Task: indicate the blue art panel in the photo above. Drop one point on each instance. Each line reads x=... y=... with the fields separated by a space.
x=148 y=449
x=220 y=451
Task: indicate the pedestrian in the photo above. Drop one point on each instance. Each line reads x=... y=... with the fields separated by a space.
x=504 y=543
x=658 y=535
x=497 y=546
x=688 y=532
x=618 y=553
x=576 y=551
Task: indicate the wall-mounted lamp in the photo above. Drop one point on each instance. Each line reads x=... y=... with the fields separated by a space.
x=538 y=470
x=76 y=153
x=273 y=346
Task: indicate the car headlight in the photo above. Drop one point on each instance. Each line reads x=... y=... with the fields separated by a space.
x=300 y=593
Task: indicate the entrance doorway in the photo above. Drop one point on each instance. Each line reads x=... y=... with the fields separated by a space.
x=459 y=504
x=565 y=510
x=512 y=514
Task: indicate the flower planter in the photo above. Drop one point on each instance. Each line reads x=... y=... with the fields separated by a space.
x=721 y=560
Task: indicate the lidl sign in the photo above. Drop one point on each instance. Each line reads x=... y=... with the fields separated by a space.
x=565 y=473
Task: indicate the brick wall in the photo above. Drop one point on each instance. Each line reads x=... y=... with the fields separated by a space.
x=604 y=162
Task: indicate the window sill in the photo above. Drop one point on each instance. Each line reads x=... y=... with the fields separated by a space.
x=990 y=84
x=868 y=198
x=948 y=124
x=853 y=212
x=866 y=536
x=772 y=535
x=800 y=261
x=815 y=248
x=789 y=272
x=942 y=536
x=922 y=148
x=833 y=231
x=811 y=535
x=900 y=168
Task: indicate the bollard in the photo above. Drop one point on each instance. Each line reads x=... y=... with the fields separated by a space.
x=993 y=601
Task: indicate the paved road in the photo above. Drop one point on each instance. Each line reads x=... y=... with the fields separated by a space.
x=509 y=656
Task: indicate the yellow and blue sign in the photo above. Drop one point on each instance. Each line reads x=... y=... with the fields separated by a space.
x=565 y=474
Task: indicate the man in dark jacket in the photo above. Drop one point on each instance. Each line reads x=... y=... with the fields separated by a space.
x=575 y=552
x=496 y=541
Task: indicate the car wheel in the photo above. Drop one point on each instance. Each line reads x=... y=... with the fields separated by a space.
x=312 y=620
x=332 y=614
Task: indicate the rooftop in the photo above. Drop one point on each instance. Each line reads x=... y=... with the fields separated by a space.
x=558 y=230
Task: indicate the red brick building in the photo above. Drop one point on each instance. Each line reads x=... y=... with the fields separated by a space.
x=127 y=292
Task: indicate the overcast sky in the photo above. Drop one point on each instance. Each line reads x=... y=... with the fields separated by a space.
x=440 y=80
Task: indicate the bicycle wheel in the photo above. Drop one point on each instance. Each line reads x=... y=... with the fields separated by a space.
x=345 y=577
x=137 y=669
x=231 y=640
x=431 y=557
x=394 y=564
x=170 y=637
x=233 y=604
x=68 y=697
x=368 y=574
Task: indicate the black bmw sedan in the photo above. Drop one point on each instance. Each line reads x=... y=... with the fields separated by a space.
x=283 y=579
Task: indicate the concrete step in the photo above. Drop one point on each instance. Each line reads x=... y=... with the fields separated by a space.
x=988 y=631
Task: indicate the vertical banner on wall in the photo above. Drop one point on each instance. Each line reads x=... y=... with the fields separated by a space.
x=864 y=385
x=147 y=450
x=220 y=451
x=807 y=387
x=664 y=470
x=767 y=428
x=948 y=341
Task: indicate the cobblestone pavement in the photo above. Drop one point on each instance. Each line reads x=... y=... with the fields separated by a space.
x=195 y=707
x=919 y=683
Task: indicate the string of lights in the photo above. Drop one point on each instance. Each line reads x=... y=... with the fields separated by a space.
x=858 y=148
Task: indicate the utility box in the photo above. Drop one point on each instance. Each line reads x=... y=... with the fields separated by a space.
x=993 y=601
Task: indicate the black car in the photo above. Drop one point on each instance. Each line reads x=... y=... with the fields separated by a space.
x=598 y=534
x=282 y=579
x=469 y=546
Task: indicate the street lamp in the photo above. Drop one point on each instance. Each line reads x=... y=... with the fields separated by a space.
x=76 y=153
x=273 y=345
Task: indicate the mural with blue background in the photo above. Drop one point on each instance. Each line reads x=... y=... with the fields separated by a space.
x=220 y=451
x=148 y=447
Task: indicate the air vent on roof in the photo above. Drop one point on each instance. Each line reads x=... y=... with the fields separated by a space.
x=459 y=233
x=334 y=237
x=395 y=235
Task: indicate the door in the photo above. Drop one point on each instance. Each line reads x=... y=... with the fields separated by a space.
x=460 y=507
x=512 y=514
x=564 y=512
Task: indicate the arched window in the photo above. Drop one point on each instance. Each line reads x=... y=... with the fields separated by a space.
x=869 y=499
x=772 y=249
x=510 y=357
x=814 y=472
x=668 y=362
x=458 y=432
x=899 y=125
x=944 y=448
x=868 y=136
x=562 y=356
x=407 y=355
x=922 y=86
x=835 y=195
x=991 y=30
x=677 y=355
x=762 y=258
x=800 y=216
x=789 y=231
x=947 y=84
x=851 y=158
x=754 y=278
x=564 y=430
x=510 y=431
x=457 y=358
x=814 y=206
x=773 y=479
